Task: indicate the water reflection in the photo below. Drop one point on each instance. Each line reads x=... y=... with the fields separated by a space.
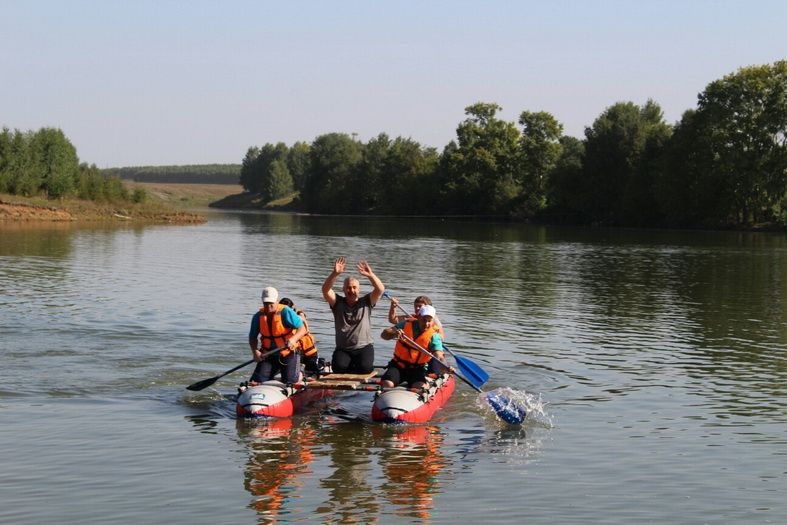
x=415 y=467
x=365 y=471
x=351 y=495
x=643 y=343
x=36 y=240
x=280 y=455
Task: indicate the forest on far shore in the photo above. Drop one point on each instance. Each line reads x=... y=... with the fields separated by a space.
x=722 y=165
x=189 y=174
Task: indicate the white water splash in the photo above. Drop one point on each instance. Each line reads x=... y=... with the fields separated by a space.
x=517 y=400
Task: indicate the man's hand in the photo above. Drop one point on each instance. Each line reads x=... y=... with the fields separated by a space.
x=339 y=265
x=364 y=268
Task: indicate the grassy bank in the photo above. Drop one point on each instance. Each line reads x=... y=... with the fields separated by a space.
x=19 y=208
x=168 y=203
x=252 y=201
x=186 y=196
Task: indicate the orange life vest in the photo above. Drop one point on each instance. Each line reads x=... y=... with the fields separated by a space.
x=273 y=333
x=306 y=343
x=406 y=354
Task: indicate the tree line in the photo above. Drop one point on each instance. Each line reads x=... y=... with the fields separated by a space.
x=189 y=174
x=723 y=164
x=45 y=162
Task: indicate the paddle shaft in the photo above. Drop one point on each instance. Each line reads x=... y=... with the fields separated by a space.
x=499 y=404
x=200 y=385
x=405 y=312
x=468 y=367
x=228 y=372
x=445 y=365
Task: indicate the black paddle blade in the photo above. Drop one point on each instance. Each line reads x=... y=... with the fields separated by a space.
x=205 y=383
x=200 y=385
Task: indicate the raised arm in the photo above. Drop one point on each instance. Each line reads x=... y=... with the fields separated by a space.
x=392 y=318
x=366 y=270
x=327 y=286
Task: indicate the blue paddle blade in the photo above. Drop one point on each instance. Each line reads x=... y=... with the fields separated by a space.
x=474 y=373
x=506 y=409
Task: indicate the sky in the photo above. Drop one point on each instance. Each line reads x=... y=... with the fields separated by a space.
x=164 y=82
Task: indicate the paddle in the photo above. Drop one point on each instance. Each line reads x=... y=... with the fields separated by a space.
x=505 y=408
x=205 y=383
x=469 y=368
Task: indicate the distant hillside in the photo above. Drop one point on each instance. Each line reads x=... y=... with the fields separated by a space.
x=194 y=174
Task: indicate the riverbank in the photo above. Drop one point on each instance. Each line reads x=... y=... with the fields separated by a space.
x=186 y=196
x=164 y=203
x=18 y=208
x=245 y=200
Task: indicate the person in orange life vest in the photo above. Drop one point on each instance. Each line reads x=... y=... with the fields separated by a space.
x=354 y=353
x=409 y=364
x=307 y=346
x=275 y=326
x=417 y=304
x=421 y=300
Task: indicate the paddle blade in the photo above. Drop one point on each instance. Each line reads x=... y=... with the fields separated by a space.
x=506 y=409
x=200 y=385
x=205 y=383
x=474 y=373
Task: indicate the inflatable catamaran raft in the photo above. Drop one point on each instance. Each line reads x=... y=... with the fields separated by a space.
x=394 y=405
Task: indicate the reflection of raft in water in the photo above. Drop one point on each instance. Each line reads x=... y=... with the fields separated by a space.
x=395 y=405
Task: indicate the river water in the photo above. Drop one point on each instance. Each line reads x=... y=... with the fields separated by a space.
x=653 y=365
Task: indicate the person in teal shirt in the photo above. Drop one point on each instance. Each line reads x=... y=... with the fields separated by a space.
x=409 y=362
x=274 y=326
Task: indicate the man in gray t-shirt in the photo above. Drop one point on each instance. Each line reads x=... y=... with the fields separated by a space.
x=352 y=314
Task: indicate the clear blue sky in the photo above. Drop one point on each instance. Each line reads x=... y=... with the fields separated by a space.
x=194 y=82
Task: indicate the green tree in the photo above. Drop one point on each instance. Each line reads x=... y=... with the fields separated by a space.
x=139 y=195
x=744 y=116
x=566 y=192
x=298 y=164
x=483 y=168
x=618 y=180
x=685 y=190
x=6 y=180
x=330 y=182
x=248 y=169
x=23 y=179
x=540 y=146
x=90 y=185
x=415 y=170
x=54 y=162
x=269 y=153
x=376 y=192
x=278 y=181
x=726 y=163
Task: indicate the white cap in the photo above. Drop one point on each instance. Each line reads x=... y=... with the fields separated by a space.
x=427 y=309
x=270 y=295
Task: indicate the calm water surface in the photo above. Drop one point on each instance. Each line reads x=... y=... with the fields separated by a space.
x=653 y=364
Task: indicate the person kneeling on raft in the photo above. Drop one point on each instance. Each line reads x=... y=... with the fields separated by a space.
x=409 y=362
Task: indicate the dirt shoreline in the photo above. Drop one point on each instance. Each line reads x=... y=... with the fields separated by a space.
x=76 y=211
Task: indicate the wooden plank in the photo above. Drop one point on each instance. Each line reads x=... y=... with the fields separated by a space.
x=338 y=384
x=344 y=385
x=343 y=381
x=351 y=377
